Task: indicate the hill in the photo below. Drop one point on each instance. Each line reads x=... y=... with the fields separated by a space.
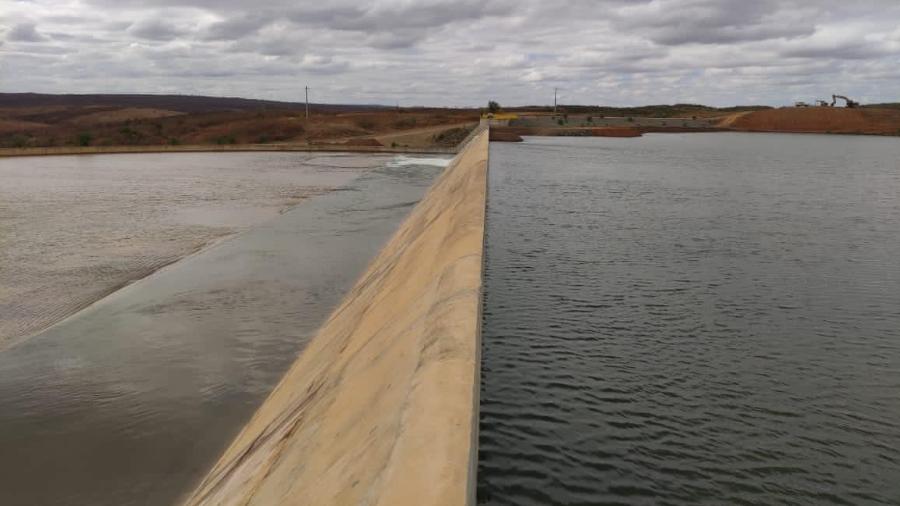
x=865 y=120
x=37 y=120
x=180 y=103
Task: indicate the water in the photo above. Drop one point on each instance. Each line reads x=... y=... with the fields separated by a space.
x=76 y=228
x=692 y=319
x=130 y=401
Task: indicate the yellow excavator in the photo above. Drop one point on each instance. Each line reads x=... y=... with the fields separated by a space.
x=850 y=103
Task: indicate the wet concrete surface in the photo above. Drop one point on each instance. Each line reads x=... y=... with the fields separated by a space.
x=130 y=400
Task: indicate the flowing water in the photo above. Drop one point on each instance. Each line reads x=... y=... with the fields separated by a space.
x=75 y=228
x=692 y=319
x=129 y=401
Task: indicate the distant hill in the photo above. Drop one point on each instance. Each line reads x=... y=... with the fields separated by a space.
x=180 y=103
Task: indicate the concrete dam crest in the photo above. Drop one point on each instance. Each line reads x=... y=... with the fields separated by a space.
x=382 y=407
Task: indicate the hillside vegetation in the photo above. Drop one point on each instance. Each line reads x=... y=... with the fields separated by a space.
x=28 y=120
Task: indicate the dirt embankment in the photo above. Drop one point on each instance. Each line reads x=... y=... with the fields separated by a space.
x=819 y=120
x=514 y=134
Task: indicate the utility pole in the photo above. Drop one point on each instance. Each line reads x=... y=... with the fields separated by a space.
x=307 y=102
x=554 y=100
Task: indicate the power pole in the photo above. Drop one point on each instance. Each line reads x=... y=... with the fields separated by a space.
x=554 y=100
x=307 y=102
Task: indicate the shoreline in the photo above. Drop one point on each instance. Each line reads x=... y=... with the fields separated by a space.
x=228 y=148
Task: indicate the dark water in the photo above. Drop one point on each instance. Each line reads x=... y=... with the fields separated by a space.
x=130 y=401
x=692 y=319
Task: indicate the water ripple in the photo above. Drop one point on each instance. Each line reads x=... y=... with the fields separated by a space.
x=663 y=327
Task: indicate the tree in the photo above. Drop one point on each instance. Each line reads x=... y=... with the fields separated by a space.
x=493 y=107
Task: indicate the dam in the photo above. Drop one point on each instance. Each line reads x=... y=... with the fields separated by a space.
x=681 y=318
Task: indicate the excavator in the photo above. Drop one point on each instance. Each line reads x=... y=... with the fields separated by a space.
x=850 y=103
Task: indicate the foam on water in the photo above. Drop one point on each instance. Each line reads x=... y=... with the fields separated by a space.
x=403 y=160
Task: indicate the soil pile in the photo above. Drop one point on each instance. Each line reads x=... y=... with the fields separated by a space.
x=821 y=120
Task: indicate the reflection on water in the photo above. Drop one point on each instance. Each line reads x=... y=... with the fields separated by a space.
x=692 y=319
x=75 y=228
x=130 y=401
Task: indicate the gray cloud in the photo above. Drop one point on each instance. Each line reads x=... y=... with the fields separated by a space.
x=24 y=32
x=156 y=29
x=462 y=52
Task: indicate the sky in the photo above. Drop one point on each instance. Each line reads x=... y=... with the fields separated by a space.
x=458 y=52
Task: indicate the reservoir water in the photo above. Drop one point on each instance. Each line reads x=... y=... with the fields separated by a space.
x=130 y=400
x=692 y=319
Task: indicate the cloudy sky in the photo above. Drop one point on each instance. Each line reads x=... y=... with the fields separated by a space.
x=458 y=52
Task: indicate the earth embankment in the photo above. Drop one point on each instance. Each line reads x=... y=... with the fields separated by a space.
x=842 y=120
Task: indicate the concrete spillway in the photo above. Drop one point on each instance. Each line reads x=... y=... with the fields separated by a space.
x=382 y=406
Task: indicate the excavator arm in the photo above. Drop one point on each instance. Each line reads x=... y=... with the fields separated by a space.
x=850 y=103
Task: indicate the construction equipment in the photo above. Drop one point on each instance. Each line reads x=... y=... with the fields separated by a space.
x=822 y=103
x=850 y=103
x=801 y=104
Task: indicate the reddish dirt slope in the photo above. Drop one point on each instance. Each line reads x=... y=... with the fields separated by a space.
x=821 y=120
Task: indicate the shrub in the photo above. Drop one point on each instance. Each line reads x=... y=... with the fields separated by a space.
x=174 y=141
x=493 y=107
x=630 y=119
x=405 y=123
x=365 y=124
x=19 y=141
x=590 y=119
x=559 y=122
x=226 y=139
x=130 y=134
x=84 y=139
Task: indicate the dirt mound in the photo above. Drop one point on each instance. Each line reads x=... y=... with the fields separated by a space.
x=502 y=133
x=452 y=136
x=498 y=135
x=615 y=132
x=821 y=120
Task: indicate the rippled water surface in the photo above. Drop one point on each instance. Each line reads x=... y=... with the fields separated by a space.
x=129 y=401
x=692 y=319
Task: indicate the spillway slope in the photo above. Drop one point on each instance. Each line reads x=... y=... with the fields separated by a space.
x=382 y=407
